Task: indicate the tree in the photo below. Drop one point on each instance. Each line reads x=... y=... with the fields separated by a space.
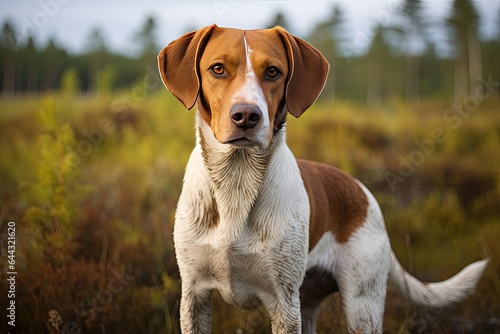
x=377 y=53
x=464 y=22
x=413 y=30
x=8 y=43
x=279 y=20
x=326 y=38
x=490 y=51
x=96 y=42
x=53 y=60
x=431 y=79
x=146 y=37
x=97 y=56
x=30 y=65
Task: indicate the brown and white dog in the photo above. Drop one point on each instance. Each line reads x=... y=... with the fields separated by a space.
x=255 y=223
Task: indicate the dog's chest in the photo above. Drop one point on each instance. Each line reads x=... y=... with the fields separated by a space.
x=242 y=275
x=244 y=247
x=247 y=270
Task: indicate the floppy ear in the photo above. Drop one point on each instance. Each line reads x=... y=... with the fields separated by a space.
x=178 y=65
x=308 y=70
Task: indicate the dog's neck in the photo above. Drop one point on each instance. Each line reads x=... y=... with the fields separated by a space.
x=236 y=176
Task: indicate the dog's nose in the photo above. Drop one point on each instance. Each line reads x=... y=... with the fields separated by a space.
x=245 y=116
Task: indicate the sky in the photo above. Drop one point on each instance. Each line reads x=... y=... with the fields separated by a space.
x=69 y=22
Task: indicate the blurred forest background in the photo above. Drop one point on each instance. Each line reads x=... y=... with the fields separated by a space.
x=93 y=151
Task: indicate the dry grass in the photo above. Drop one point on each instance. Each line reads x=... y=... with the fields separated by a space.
x=441 y=216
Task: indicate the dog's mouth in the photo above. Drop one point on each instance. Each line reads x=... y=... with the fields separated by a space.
x=241 y=142
x=239 y=139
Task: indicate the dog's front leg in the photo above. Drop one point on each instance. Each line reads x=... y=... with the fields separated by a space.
x=285 y=316
x=195 y=310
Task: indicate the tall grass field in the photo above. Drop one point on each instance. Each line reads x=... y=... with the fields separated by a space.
x=91 y=183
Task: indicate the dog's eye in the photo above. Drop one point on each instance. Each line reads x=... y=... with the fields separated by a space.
x=218 y=69
x=272 y=72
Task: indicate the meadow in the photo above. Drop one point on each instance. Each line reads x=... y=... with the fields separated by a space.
x=91 y=183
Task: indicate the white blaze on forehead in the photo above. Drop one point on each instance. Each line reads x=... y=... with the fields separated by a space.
x=251 y=91
x=248 y=53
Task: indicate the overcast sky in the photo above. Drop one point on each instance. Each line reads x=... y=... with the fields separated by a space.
x=70 y=21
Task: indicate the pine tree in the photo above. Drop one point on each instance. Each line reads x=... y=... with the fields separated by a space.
x=146 y=37
x=377 y=53
x=327 y=38
x=414 y=33
x=30 y=65
x=97 y=56
x=464 y=23
x=9 y=47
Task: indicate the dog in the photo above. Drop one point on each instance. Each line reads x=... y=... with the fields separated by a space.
x=255 y=223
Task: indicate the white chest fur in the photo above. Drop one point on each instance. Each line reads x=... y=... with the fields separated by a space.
x=240 y=230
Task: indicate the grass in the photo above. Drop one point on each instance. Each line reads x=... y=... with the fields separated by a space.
x=440 y=203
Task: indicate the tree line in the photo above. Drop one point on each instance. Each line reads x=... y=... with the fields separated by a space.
x=29 y=67
x=401 y=59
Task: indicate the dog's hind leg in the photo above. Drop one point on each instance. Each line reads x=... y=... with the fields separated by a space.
x=363 y=299
x=362 y=273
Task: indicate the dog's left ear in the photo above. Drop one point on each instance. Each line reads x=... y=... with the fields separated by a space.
x=308 y=70
x=178 y=65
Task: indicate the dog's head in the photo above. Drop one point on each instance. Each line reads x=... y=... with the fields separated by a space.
x=243 y=80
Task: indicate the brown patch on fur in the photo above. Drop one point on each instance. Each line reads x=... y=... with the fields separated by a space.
x=211 y=217
x=338 y=203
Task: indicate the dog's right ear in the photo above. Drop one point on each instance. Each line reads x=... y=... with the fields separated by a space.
x=178 y=65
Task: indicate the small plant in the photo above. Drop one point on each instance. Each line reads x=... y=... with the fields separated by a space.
x=51 y=218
